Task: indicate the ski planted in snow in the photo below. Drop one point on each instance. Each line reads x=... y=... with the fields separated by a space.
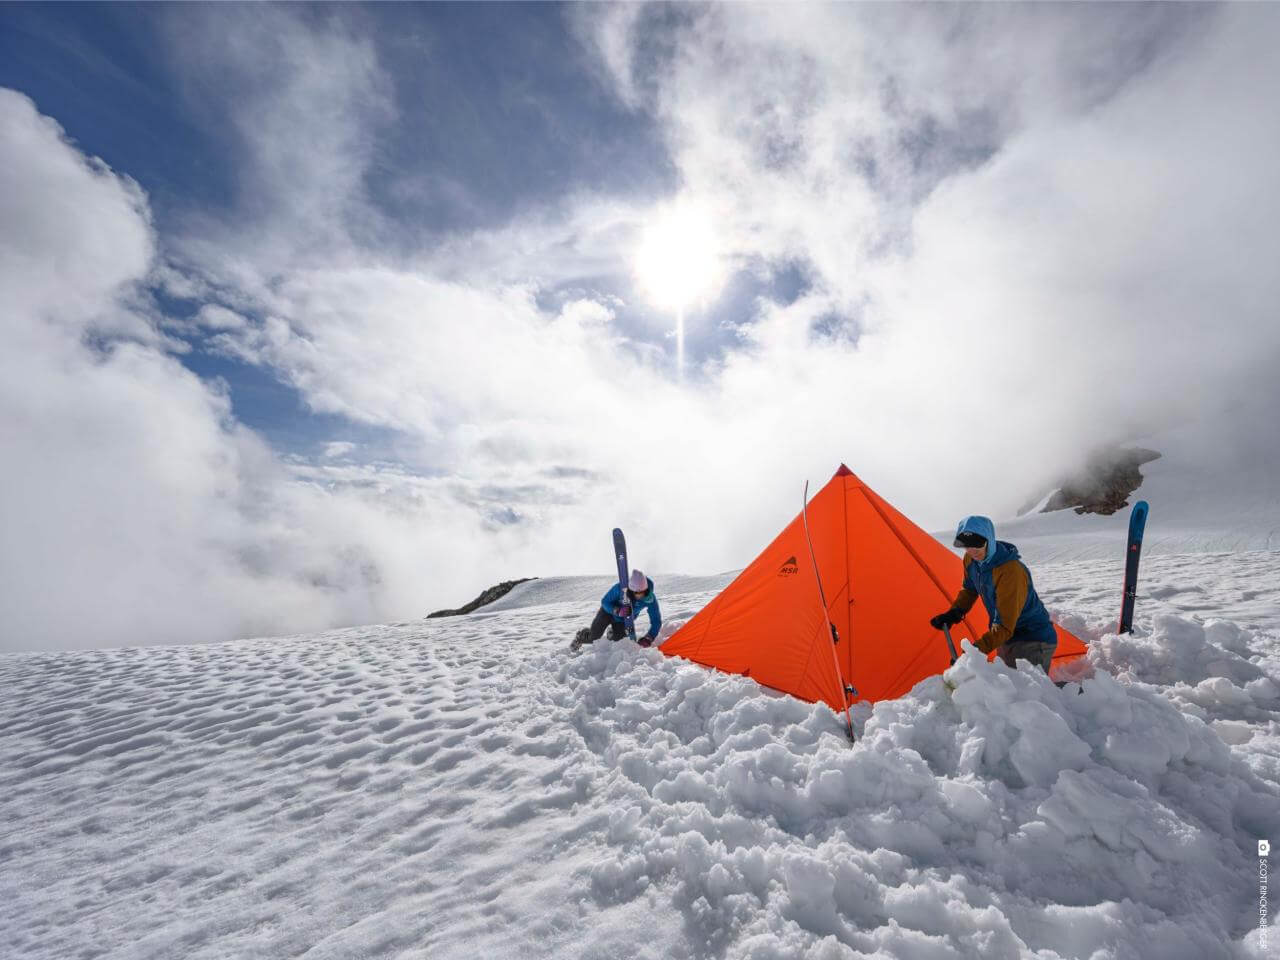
x=846 y=691
x=620 y=553
x=1137 y=524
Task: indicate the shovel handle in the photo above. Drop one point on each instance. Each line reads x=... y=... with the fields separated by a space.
x=946 y=632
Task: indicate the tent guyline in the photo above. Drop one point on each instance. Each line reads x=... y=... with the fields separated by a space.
x=845 y=688
x=767 y=623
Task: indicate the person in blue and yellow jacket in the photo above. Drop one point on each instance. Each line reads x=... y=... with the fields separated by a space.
x=1020 y=628
x=614 y=607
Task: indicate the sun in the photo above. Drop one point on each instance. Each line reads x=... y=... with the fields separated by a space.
x=678 y=263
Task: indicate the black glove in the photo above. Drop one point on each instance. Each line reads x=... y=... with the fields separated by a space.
x=948 y=619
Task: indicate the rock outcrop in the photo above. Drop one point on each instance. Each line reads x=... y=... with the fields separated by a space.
x=490 y=595
x=1105 y=483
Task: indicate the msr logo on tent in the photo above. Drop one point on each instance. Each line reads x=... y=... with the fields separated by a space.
x=789 y=569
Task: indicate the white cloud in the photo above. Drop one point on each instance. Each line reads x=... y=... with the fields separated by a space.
x=919 y=164
x=336 y=449
x=306 y=99
x=135 y=509
x=1050 y=229
x=213 y=316
x=43 y=279
x=999 y=210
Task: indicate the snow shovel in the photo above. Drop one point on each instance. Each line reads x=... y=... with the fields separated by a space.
x=946 y=632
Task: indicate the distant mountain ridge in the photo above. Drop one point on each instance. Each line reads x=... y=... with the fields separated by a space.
x=488 y=596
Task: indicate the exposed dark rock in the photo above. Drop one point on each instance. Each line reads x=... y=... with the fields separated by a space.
x=1105 y=483
x=490 y=595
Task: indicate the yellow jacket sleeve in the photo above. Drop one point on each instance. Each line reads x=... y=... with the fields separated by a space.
x=1011 y=583
x=964 y=600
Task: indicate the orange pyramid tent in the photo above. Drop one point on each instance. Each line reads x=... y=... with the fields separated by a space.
x=883 y=578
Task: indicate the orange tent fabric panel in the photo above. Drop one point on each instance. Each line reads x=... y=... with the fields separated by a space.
x=884 y=577
x=768 y=623
x=1070 y=647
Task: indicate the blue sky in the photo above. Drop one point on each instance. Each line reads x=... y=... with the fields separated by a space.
x=470 y=81
x=350 y=311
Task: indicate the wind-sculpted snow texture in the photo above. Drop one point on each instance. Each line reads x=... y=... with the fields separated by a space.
x=467 y=788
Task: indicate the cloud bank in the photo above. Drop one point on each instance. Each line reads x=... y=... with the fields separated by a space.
x=1019 y=232
x=135 y=508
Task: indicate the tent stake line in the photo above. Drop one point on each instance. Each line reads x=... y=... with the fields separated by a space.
x=835 y=637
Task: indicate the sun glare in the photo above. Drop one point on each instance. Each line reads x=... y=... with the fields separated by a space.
x=677 y=264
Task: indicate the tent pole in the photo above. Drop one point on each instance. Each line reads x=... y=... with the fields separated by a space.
x=822 y=596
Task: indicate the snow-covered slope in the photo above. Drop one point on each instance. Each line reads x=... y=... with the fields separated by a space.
x=585 y=589
x=465 y=787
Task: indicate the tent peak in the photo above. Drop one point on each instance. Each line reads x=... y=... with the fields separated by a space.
x=844 y=471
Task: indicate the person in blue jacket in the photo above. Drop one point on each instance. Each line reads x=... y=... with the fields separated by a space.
x=614 y=608
x=1020 y=628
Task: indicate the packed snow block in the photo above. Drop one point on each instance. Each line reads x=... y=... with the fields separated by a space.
x=1115 y=930
x=1139 y=732
x=1155 y=735
x=1221 y=692
x=1045 y=745
x=1138 y=754
x=966 y=801
x=868 y=781
x=1263 y=689
x=1023 y=740
x=1229 y=636
x=1232 y=732
x=1180 y=652
x=768 y=782
x=1122 y=815
x=830 y=788
x=1103 y=704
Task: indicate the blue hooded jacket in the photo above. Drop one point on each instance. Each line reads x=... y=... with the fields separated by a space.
x=1033 y=623
x=648 y=602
